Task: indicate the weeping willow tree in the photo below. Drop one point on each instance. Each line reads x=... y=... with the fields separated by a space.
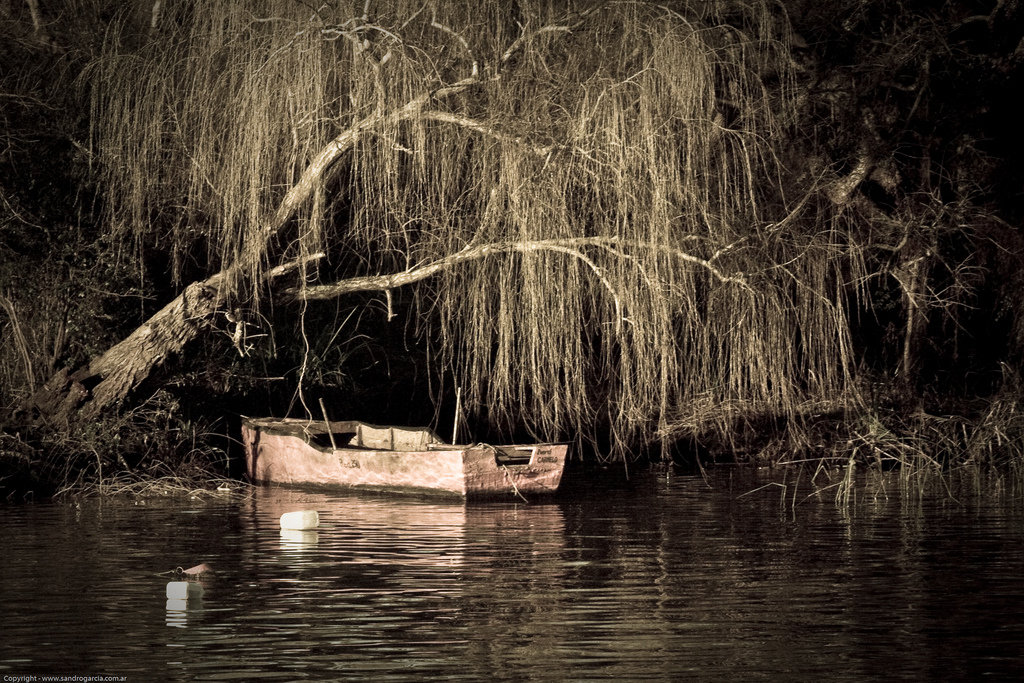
x=587 y=197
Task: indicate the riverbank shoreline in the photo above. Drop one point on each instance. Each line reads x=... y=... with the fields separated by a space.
x=835 y=447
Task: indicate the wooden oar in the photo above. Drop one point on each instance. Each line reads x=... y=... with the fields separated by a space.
x=327 y=421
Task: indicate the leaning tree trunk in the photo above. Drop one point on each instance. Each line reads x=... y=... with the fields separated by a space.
x=82 y=395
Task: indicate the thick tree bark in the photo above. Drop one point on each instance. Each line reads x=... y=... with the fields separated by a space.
x=84 y=394
x=115 y=373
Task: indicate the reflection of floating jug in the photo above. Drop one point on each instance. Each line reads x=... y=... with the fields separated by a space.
x=300 y=520
x=177 y=613
x=296 y=539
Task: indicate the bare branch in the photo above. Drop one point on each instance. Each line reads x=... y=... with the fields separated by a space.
x=485 y=129
x=154 y=17
x=570 y=246
x=570 y=21
x=843 y=189
x=37 y=17
x=37 y=23
x=362 y=45
x=458 y=37
x=316 y=170
x=285 y=268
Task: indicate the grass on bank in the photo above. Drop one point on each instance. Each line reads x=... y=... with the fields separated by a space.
x=152 y=451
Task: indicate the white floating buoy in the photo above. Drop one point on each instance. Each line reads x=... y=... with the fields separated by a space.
x=184 y=590
x=300 y=520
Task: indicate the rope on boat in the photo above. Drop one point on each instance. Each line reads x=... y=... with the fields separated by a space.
x=515 y=489
x=508 y=474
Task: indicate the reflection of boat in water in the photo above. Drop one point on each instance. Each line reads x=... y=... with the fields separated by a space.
x=376 y=537
x=355 y=455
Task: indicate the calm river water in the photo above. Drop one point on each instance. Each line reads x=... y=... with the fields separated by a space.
x=668 y=577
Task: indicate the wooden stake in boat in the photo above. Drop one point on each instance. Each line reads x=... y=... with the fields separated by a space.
x=458 y=407
x=327 y=421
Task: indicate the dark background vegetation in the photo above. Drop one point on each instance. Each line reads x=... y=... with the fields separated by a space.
x=921 y=98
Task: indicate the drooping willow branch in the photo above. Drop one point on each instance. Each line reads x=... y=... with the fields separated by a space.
x=485 y=129
x=315 y=171
x=569 y=246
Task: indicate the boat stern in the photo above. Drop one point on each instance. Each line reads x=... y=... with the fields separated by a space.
x=533 y=469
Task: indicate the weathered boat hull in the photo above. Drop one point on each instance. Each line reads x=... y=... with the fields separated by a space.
x=394 y=459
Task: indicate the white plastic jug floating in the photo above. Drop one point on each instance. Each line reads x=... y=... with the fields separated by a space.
x=300 y=520
x=184 y=590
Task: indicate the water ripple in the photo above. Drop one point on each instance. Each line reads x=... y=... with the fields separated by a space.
x=658 y=581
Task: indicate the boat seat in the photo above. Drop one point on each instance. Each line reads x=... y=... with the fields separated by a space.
x=377 y=438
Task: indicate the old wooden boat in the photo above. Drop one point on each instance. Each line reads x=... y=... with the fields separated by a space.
x=350 y=454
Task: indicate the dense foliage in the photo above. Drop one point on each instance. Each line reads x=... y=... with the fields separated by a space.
x=621 y=223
